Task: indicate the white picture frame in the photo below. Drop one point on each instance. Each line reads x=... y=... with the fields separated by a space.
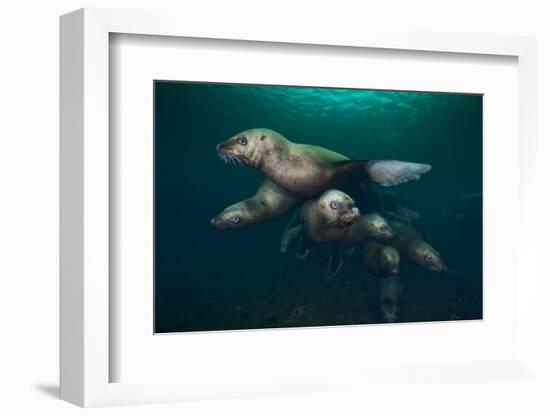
x=85 y=220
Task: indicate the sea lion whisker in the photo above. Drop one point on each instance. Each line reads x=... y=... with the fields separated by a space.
x=241 y=160
x=336 y=221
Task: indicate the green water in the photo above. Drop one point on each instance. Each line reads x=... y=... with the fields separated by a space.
x=209 y=279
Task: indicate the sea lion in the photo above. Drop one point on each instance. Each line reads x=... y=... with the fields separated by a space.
x=309 y=170
x=413 y=247
x=270 y=201
x=335 y=220
x=390 y=292
x=380 y=259
x=383 y=260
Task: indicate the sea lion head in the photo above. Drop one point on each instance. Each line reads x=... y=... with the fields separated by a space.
x=247 y=147
x=234 y=216
x=389 y=259
x=337 y=209
x=427 y=256
x=377 y=226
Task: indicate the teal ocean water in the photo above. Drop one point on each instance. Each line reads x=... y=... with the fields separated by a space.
x=210 y=279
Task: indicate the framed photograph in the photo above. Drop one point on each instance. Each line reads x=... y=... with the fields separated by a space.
x=230 y=232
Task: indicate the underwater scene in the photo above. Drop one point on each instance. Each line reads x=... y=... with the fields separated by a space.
x=279 y=206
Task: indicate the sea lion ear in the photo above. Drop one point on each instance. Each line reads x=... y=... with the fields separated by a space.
x=262 y=138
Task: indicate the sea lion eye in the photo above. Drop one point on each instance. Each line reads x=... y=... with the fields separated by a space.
x=334 y=204
x=428 y=258
x=235 y=219
x=242 y=141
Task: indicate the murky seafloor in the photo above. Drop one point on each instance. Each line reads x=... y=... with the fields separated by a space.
x=210 y=279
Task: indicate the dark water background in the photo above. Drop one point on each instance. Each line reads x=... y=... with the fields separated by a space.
x=209 y=279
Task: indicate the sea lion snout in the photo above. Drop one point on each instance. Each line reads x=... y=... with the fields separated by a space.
x=351 y=216
x=387 y=232
x=236 y=150
x=222 y=149
x=394 y=269
x=220 y=223
x=215 y=222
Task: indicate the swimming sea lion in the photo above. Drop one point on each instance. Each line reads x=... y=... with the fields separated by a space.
x=413 y=247
x=310 y=170
x=389 y=292
x=270 y=201
x=380 y=259
x=383 y=260
x=334 y=219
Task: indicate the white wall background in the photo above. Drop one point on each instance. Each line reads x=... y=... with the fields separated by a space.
x=29 y=205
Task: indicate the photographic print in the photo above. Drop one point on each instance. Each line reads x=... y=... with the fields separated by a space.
x=291 y=206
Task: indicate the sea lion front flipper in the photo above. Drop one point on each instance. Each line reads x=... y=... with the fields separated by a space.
x=303 y=250
x=394 y=172
x=351 y=250
x=289 y=234
x=334 y=266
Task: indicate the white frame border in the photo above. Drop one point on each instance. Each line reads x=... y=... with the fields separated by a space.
x=84 y=182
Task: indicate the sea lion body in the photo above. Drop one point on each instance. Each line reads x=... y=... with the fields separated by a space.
x=270 y=201
x=309 y=170
x=413 y=247
x=380 y=259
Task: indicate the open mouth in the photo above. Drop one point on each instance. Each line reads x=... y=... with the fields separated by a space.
x=350 y=218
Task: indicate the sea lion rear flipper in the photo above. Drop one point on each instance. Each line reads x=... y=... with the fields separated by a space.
x=394 y=172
